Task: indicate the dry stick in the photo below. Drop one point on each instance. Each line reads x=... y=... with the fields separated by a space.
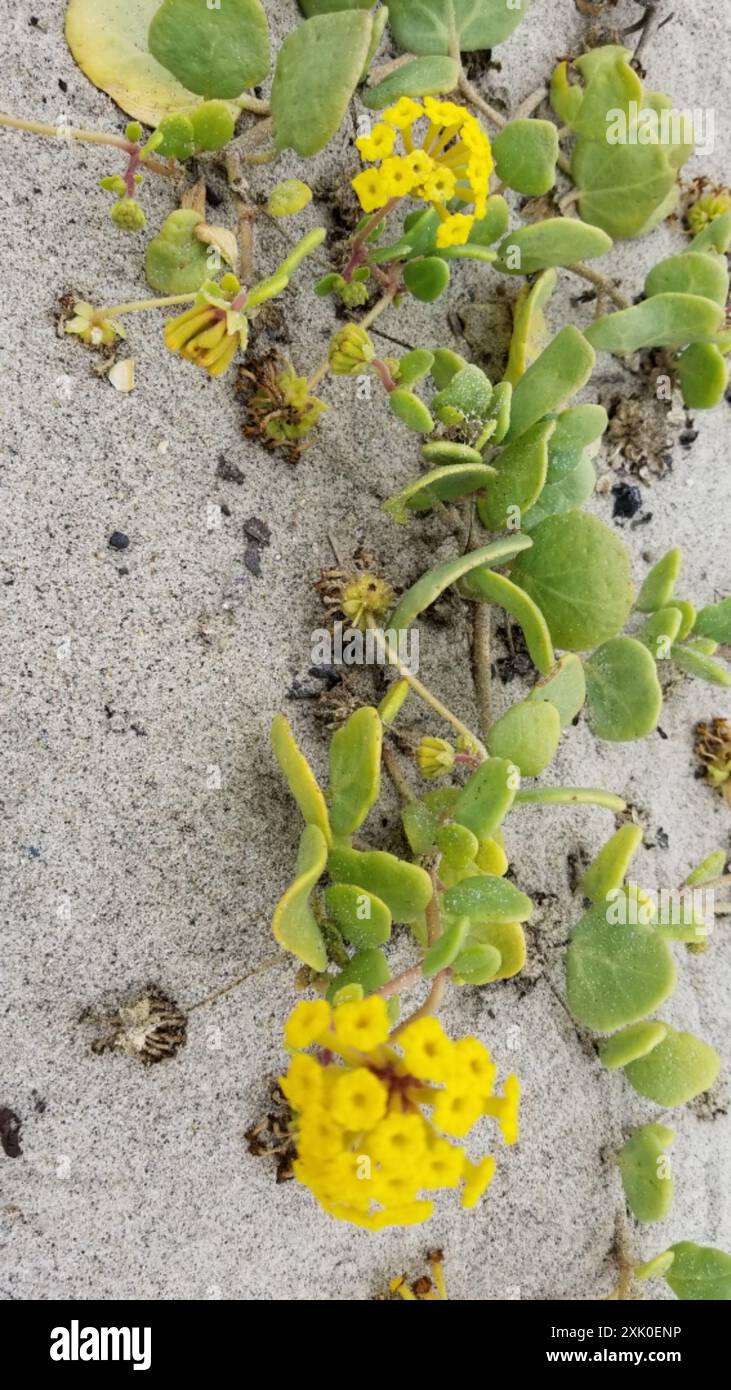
x=471 y=93
x=245 y=226
x=393 y=768
x=87 y=137
x=195 y=197
x=241 y=979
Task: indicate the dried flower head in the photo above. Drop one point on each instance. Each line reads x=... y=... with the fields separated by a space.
x=713 y=750
x=280 y=409
x=148 y=1028
x=358 y=594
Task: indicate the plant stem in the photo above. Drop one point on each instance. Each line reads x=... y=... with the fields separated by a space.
x=357 y=250
x=136 y=306
x=87 y=137
x=393 y=768
x=482 y=664
x=240 y=980
x=321 y=372
x=254 y=104
x=600 y=281
x=426 y=695
x=471 y=93
x=403 y=981
x=431 y=1003
x=570 y=796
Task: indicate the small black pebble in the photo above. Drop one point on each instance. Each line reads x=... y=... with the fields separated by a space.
x=627 y=500
x=118 y=540
x=662 y=838
x=661 y=732
x=63 y=85
x=122 y=571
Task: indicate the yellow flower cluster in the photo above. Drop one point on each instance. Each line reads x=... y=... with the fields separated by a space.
x=453 y=161
x=365 y=1147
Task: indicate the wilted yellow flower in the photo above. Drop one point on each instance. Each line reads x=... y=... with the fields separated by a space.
x=211 y=332
x=87 y=325
x=434 y=756
x=350 y=350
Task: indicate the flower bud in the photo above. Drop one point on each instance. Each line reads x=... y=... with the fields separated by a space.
x=350 y=350
x=435 y=757
x=128 y=215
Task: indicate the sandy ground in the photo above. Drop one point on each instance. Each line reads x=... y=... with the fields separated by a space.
x=147 y=834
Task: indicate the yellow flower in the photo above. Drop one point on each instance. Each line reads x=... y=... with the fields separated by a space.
x=319 y=1136
x=398 y=180
x=392 y=1187
x=404 y=113
x=408 y=1214
x=420 y=164
x=474 y=1064
x=478 y=1177
x=443 y=1164
x=303 y=1085
x=398 y=1141
x=505 y=1109
x=434 y=756
x=308 y=1023
x=455 y=230
x=439 y=187
x=350 y=350
x=377 y=145
x=97 y=332
x=209 y=334
x=363 y=1025
x=369 y=189
x=359 y=1099
x=428 y=1052
x=446 y=113
x=456 y=1110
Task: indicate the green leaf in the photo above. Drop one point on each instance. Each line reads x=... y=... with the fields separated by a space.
x=699 y=1272
x=611 y=86
x=565 y=98
x=216 y=52
x=465 y=399
x=427 y=589
x=608 y=870
x=355 y=770
x=446 y=948
x=442 y=484
x=578 y=573
x=715 y=621
x=445 y=366
x=631 y=1043
x=694 y=272
x=436 y=26
x=178 y=137
x=108 y=39
x=369 y=969
x=624 y=188
x=529 y=326
x=414 y=365
x=426 y=278
x=695 y=663
x=622 y=690
x=508 y=939
x=557 y=241
x=709 y=868
x=659 y=585
x=412 y=412
x=688 y=615
x=660 y=631
x=476 y=965
x=312 y=7
x=677 y=1070
x=294 y=924
x=486 y=230
x=716 y=236
x=299 y=776
x=176 y=262
x=521 y=474
x=656 y=1268
x=448 y=451
x=525 y=154
x=317 y=71
x=576 y=428
x=485 y=898
x=422 y=77
x=564 y=686
x=665 y=320
x=570 y=796
x=361 y=917
x=486 y=586
x=561 y=369
x=567 y=494
x=420 y=827
x=406 y=889
x=213 y=125
x=499 y=411
x=647 y=1187
x=457 y=845
x=486 y=797
x=703 y=375
x=616 y=972
x=528 y=735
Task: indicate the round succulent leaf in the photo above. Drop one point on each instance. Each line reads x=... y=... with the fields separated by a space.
x=695 y=662
x=485 y=231
x=414 y=365
x=310 y=7
x=476 y=965
x=176 y=260
x=557 y=241
x=647 y=1185
x=426 y=76
x=678 y=1069
x=448 y=451
x=520 y=477
x=486 y=586
x=564 y=685
x=703 y=374
x=568 y=494
x=699 y=1272
x=692 y=272
x=445 y=366
x=485 y=799
x=576 y=428
x=213 y=125
x=715 y=621
x=577 y=572
x=665 y=320
x=361 y=917
x=688 y=615
x=441 y=484
x=715 y=236
x=525 y=155
x=623 y=692
x=355 y=770
x=457 y=844
x=299 y=777
x=487 y=898
x=616 y=972
x=427 y=589
x=368 y=968
x=178 y=137
x=565 y=97
x=448 y=946
x=528 y=734
x=406 y=889
x=426 y=278
x=420 y=827
x=491 y=857
x=608 y=869
x=612 y=89
x=218 y=52
x=317 y=71
x=412 y=412
x=467 y=397
x=508 y=939
x=294 y=924
x=561 y=369
x=622 y=187
x=440 y=26
x=631 y=1043
x=657 y=589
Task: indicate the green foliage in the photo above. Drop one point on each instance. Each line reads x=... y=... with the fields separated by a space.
x=477 y=965
x=441 y=24
x=175 y=137
x=676 y=1070
x=521 y=474
x=577 y=571
x=528 y=735
x=446 y=948
x=558 y=241
x=616 y=972
x=715 y=621
x=693 y=659
x=299 y=777
x=702 y=273
x=631 y=1043
x=426 y=76
x=525 y=154
x=427 y=589
x=412 y=412
x=622 y=690
x=360 y=916
x=213 y=125
x=368 y=968
x=487 y=586
x=564 y=685
x=561 y=369
x=665 y=320
x=176 y=261
x=294 y=923
x=426 y=278
x=442 y=484
x=529 y=326
x=406 y=889
x=608 y=870
x=647 y=1185
x=659 y=585
x=317 y=71
x=216 y=52
x=703 y=375
x=486 y=798
x=485 y=898
x=699 y=1272
x=355 y=770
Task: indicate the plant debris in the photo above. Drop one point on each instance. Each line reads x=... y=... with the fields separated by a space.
x=148 y=1028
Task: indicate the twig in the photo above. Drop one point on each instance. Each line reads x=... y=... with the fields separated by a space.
x=471 y=93
x=393 y=768
x=482 y=665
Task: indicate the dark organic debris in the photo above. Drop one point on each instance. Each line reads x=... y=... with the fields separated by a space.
x=10 y=1124
x=229 y=472
x=148 y=1028
x=259 y=536
x=627 y=500
x=271 y=1137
